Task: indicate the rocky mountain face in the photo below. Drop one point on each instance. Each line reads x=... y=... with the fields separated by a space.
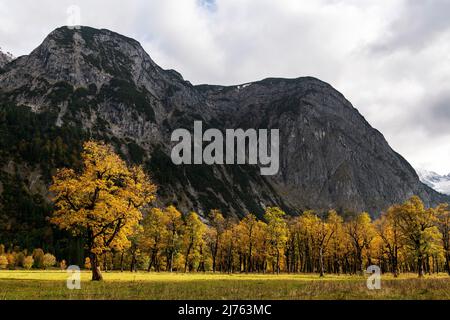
x=5 y=58
x=89 y=83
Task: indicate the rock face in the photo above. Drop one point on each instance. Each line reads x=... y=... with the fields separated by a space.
x=106 y=86
x=4 y=59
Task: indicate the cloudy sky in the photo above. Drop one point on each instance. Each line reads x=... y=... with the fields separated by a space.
x=390 y=58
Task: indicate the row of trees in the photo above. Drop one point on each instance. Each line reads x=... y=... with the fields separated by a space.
x=407 y=238
x=104 y=205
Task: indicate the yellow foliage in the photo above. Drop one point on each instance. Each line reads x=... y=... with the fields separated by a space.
x=102 y=203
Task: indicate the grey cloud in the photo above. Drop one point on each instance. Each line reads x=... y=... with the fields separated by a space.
x=418 y=24
x=437 y=113
x=386 y=56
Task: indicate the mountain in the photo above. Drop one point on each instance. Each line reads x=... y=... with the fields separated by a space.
x=87 y=83
x=5 y=58
x=440 y=183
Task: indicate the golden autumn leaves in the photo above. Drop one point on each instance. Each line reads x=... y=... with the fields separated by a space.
x=102 y=203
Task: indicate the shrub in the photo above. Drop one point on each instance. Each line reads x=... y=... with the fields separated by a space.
x=28 y=262
x=3 y=262
x=38 y=256
x=20 y=257
x=87 y=263
x=49 y=260
x=11 y=257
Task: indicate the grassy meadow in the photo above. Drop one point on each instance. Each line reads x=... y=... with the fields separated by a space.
x=51 y=284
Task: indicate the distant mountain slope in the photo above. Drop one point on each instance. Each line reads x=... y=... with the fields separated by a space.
x=436 y=181
x=90 y=83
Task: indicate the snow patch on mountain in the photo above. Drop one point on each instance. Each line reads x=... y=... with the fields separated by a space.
x=440 y=183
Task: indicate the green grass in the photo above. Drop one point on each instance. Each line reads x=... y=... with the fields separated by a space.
x=52 y=285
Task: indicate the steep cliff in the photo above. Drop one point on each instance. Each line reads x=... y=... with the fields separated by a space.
x=89 y=83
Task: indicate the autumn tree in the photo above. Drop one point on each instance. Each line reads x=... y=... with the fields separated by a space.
x=229 y=245
x=305 y=240
x=337 y=241
x=418 y=224
x=248 y=228
x=388 y=229
x=361 y=232
x=277 y=233
x=193 y=238
x=443 y=215
x=216 y=230
x=134 y=239
x=324 y=231
x=174 y=224
x=313 y=236
x=154 y=232
x=102 y=202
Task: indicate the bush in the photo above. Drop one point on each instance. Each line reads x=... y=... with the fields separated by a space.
x=38 y=256
x=28 y=262
x=11 y=257
x=20 y=257
x=3 y=262
x=49 y=260
x=87 y=263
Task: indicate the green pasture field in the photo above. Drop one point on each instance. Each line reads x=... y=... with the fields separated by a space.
x=51 y=284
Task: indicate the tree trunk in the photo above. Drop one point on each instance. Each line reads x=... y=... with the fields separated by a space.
x=96 y=274
x=395 y=267
x=121 y=262
x=201 y=265
x=447 y=262
x=171 y=261
x=321 y=262
x=105 y=262
x=150 y=263
x=249 y=262
x=278 y=261
x=359 y=262
x=133 y=263
x=152 y=259
x=186 y=261
x=395 y=262
x=420 y=266
x=216 y=247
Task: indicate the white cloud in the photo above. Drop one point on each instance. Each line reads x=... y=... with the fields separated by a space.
x=390 y=58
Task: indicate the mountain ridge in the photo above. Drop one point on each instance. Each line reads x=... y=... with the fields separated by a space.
x=92 y=83
x=5 y=58
x=440 y=183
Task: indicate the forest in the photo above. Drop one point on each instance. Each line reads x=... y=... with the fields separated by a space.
x=108 y=205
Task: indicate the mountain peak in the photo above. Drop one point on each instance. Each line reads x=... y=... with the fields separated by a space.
x=94 y=55
x=65 y=35
x=83 y=57
x=5 y=58
x=440 y=183
x=106 y=85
